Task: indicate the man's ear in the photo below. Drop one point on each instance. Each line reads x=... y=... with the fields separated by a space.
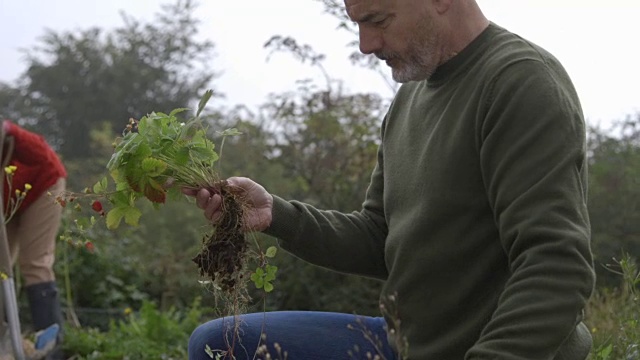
x=441 y=6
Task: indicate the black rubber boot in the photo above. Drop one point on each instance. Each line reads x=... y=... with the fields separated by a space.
x=44 y=304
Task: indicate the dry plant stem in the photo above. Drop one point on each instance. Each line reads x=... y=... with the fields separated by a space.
x=72 y=317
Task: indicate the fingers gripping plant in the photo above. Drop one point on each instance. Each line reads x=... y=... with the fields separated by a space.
x=155 y=159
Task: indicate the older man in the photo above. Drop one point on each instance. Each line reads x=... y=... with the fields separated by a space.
x=476 y=214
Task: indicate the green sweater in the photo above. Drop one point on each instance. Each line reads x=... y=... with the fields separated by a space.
x=476 y=214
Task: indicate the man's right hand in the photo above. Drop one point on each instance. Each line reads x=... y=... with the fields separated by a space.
x=257 y=215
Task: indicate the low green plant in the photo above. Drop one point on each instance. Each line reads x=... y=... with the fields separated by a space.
x=148 y=334
x=263 y=277
x=614 y=315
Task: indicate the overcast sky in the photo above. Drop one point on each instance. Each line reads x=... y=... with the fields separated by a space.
x=597 y=41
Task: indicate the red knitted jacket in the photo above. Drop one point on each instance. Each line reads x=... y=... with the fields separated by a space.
x=37 y=164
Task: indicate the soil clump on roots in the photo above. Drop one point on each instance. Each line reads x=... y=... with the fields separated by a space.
x=224 y=253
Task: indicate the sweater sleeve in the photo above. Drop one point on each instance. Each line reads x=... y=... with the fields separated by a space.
x=532 y=148
x=351 y=243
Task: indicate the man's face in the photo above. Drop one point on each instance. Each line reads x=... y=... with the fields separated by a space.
x=401 y=32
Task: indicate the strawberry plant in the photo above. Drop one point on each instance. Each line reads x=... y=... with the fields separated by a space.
x=158 y=156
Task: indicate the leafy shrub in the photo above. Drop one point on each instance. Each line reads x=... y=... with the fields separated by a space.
x=614 y=316
x=147 y=335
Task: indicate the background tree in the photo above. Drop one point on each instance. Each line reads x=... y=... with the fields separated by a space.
x=76 y=80
x=327 y=145
x=614 y=194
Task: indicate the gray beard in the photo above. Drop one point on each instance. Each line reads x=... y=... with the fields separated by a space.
x=422 y=62
x=413 y=72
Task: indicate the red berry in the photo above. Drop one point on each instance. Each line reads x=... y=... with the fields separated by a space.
x=96 y=206
x=89 y=246
x=62 y=202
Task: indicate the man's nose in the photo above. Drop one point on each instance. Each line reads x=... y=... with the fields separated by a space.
x=370 y=40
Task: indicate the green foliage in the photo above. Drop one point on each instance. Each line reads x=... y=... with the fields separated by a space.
x=614 y=194
x=156 y=153
x=132 y=264
x=101 y=279
x=263 y=277
x=326 y=149
x=602 y=353
x=327 y=144
x=150 y=334
x=271 y=251
x=614 y=315
x=160 y=250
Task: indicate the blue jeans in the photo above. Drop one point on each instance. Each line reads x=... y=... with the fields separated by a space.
x=303 y=335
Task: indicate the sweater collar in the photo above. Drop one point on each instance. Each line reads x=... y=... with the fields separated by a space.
x=464 y=58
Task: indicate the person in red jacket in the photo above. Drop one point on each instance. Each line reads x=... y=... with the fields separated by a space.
x=36 y=176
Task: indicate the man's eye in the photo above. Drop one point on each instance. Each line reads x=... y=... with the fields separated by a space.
x=380 y=23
